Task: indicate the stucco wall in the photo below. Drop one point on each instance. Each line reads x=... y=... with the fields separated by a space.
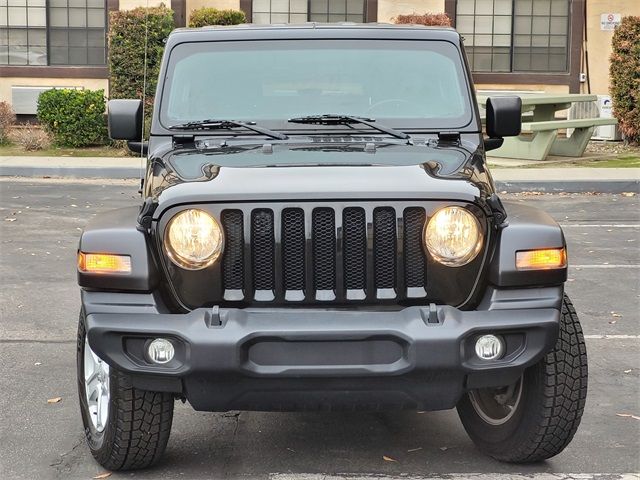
x=599 y=41
x=389 y=9
x=90 y=83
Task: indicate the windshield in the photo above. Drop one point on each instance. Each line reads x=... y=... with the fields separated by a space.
x=410 y=84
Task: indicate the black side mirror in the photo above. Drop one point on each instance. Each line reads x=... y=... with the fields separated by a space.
x=124 y=118
x=504 y=119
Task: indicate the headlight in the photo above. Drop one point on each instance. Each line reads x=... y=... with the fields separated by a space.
x=193 y=239
x=453 y=236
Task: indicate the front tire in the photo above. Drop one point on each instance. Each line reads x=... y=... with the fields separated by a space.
x=537 y=417
x=126 y=428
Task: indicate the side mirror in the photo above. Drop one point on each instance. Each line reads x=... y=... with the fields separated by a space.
x=503 y=120
x=141 y=148
x=124 y=118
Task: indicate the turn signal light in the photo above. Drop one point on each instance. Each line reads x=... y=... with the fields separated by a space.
x=103 y=263
x=543 y=259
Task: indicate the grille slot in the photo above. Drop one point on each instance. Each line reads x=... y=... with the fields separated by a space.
x=324 y=248
x=384 y=251
x=414 y=259
x=293 y=248
x=262 y=251
x=311 y=254
x=233 y=261
x=354 y=248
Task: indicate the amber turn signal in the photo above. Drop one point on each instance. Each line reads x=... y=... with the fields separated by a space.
x=542 y=259
x=103 y=263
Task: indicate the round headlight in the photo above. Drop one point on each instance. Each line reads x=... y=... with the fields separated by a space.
x=193 y=239
x=453 y=236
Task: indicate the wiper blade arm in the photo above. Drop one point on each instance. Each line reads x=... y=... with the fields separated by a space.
x=227 y=125
x=331 y=119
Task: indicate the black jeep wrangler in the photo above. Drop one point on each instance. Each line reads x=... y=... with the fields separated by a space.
x=319 y=231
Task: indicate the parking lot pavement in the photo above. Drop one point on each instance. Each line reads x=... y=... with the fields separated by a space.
x=40 y=221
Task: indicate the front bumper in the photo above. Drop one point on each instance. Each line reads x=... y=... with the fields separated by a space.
x=308 y=359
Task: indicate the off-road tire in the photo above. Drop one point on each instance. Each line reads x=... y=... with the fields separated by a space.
x=552 y=403
x=138 y=423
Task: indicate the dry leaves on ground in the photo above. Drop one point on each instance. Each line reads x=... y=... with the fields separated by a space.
x=389 y=459
x=102 y=475
x=54 y=400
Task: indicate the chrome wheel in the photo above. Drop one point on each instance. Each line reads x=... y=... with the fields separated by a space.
x=497 y=405
x=96 y=387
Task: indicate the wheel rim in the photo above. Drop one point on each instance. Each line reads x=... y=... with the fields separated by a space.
x=96 y=387
x=496 y=406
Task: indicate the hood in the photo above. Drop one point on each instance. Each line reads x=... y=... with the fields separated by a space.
x=291 y=173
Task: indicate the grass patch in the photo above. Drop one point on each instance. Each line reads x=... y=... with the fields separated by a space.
x=99 y=151
x=621 y=161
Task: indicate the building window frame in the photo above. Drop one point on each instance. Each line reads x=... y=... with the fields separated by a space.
x=370 y=10
x=63 y=71
x=571 y=78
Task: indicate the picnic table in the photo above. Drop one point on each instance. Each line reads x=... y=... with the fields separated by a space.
x=540 y=127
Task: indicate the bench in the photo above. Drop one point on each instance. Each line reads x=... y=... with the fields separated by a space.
x=544 y=138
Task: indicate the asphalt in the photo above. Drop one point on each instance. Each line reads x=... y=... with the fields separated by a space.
x=40 y=222
x=513 y=180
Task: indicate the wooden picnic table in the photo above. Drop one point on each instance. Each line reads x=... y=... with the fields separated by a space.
x=539 y=120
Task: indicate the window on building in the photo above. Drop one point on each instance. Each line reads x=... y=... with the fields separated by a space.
x=53 y=32
x=300 y=11
x=23 y=34
x=515 y=35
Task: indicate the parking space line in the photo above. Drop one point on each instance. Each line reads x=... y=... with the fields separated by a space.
x=600 y=225
x=612 y=337
x=606 y=265
x=458 y=476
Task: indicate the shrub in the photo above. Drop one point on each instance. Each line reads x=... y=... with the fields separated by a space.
x=74 y=118
x=624 y=72
x=7 y=119
x=31 y=138
x=202 y=17
x=430 y=19
x=126 y=52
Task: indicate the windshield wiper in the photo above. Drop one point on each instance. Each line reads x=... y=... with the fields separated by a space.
x=212 y=124
x=332 y=119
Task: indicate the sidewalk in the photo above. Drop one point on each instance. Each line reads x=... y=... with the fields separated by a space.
x=579 y=179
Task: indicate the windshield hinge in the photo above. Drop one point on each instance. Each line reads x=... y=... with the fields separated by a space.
x=449 y=137
x=498 y=210
x=145 y=217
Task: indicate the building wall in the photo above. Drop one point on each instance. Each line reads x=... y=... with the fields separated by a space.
x=90 y=83
x=599 y=41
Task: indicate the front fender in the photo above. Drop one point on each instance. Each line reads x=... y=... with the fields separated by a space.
x=527 y=228
x=116 y=232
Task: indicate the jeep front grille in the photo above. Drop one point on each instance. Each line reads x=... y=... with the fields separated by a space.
x=323 y=254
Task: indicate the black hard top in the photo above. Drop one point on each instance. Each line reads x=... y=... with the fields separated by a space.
x=373 y=31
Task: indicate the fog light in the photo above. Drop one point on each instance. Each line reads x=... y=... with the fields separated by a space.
x=160 y=350
x=489 y=347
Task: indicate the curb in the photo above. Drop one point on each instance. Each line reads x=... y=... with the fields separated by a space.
x=510 y=186
x=569 y=186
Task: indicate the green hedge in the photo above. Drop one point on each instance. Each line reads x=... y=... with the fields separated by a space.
x=624 y=72
x=126 y=51
x=74 y=118
x=211 y=16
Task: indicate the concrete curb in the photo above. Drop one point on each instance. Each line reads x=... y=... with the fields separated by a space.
x=606 y=185
x=569 y=186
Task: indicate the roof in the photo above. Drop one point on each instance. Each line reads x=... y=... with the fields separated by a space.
x=311 y=30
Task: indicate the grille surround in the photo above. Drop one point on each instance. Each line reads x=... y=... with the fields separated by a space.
x=214 y=286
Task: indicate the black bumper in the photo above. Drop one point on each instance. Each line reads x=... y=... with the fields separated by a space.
x=304 y=359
